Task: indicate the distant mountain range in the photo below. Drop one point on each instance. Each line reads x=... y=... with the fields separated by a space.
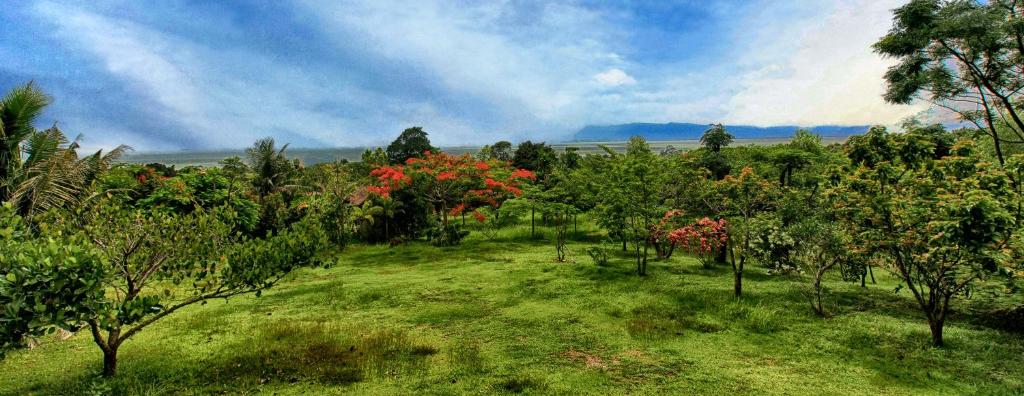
x=688 y=131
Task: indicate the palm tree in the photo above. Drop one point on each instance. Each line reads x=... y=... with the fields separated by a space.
x=272 y=169
x=18 y=113
x=388 y=207
x=52 y=174
x=41 y=170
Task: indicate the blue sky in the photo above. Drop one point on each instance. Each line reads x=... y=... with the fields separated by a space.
x=169 y=75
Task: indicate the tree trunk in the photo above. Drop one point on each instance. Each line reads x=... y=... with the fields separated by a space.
x=870 y=271
x=110 y=361
x=533 y=221
x=816 y=304
x=738 y=283
x=936 y=327
x=720 y=257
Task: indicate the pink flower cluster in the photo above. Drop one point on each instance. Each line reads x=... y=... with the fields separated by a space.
x=702 y=238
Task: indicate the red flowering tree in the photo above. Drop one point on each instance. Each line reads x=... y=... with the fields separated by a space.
x=703 y=239
x=663 y=245
x=453 y=184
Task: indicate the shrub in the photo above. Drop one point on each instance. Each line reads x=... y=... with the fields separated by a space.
x=449 y=235
x=773 y=245
x=702 y=239
x=599 y=255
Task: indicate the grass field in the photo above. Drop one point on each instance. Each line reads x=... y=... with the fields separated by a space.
x=499 y=316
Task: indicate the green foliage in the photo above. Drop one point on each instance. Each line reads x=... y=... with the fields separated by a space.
x=446 y=235
x=537 y=157
x=716 y=137
x=201 y=188
x=772 y=244
x=45 y=283
x=940 y=223
x=411 y=143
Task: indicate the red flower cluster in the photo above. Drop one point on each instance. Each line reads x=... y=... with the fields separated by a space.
x=522 y=174
x=390 y=178
x=458 y=182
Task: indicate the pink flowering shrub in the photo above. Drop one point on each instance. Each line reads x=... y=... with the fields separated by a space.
x=702 y=239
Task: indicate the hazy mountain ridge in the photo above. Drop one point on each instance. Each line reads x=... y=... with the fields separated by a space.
x=688 y=131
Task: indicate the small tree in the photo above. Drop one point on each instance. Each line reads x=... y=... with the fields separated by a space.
x=745 y=195
x=704 y=239
x=150 y=264
x=639 y=177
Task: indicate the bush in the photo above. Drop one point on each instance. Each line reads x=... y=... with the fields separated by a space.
x=446 y=236
x=773 y=245
x=599 y=255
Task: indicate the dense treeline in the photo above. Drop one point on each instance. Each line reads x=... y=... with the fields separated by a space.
x=90 y=244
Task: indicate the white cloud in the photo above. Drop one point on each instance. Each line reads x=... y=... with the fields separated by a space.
x=614 y=78
x=825 y=73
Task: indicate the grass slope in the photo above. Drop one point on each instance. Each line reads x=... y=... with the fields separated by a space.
x=502 y=317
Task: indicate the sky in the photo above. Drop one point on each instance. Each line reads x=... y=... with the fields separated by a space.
x=173 y=74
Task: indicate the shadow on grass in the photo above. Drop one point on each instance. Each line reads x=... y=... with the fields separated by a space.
x=279 y=353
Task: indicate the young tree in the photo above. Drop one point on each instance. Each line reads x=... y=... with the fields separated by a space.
x=150 y=264
x=940 y=223
x=640 y=175
x=411 y=143
x=745 y=196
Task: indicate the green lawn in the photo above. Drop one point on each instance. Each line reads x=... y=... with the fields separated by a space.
x=501 y=316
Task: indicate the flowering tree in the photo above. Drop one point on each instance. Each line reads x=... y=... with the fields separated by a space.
x=663 y=244
x=453 y=184
x=703 y=239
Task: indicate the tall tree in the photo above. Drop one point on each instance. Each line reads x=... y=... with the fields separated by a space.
x=18 y=113
x=537 y=157
x=716 y=137
x=271 y=168
x=411 y=143
x=966 y=56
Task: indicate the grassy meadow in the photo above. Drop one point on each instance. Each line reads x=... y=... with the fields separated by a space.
x=498 y=315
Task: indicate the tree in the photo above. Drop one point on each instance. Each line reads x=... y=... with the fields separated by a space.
x=272 y=170
x=150 y=264
x=745 y=196
x=18 y=113
x=716 y=137
x=502 y=151
x=42 y=170
x=941 y=224
x=52 y=176
x=451 y=184
x=411 y=143
x=965 y=56
x=639 y=176
x=536 y=157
